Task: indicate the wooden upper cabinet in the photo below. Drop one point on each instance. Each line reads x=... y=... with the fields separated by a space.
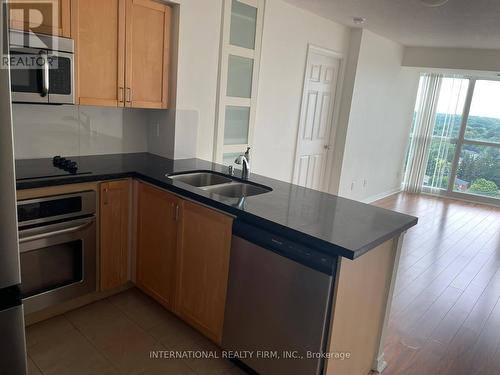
x=147 y=54
x=48 y=17
x=114 y=233
x=99 y=33
x=203 y=247
x=123 y=53
x=156 y=243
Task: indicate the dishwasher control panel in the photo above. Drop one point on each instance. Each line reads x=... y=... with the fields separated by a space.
x=285 y=247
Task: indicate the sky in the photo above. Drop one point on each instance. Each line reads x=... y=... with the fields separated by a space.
x=485 y=101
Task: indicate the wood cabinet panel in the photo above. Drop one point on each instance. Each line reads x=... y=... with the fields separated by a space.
x=156 y=243
x=362 y=290
x=147 y=54
x=114 y=233
x=123 y=53
x=48 y=17
x=202 y=267
x=99 y=34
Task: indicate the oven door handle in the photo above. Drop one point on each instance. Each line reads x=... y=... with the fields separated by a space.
x=42 y=232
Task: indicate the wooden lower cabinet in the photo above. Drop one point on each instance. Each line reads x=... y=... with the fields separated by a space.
x=156 y=243
x=203 y=246
x=183 y=257
x=114 y=233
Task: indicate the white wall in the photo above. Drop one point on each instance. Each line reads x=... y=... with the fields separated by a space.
x=197 y=74
x=340 y=130
x=45 y=130
x=379 y=120
x=173 y=133
x=452 y=58
x=287 y=32
x=161 y=133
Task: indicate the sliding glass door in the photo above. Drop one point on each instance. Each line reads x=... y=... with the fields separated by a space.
x=464 y=151
x=478 y=157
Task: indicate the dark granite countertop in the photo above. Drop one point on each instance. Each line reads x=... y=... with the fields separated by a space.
x=331 y=224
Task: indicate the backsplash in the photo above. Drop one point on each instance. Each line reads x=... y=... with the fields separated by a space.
x=44 y=131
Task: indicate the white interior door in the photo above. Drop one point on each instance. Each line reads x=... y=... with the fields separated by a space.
x=318 y=102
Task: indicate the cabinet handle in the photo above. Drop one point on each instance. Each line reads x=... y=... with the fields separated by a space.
x=45 y=76
x=176 y=212
x=105 y=196
x=129 y=95
x=121 y=94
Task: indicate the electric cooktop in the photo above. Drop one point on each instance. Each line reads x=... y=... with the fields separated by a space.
x=58 y=166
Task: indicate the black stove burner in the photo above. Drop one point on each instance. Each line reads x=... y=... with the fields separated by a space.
x=65 y=164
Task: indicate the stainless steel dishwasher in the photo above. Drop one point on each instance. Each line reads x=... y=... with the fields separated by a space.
x=278 y=303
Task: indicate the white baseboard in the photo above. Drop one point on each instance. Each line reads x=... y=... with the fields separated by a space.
x=379 y=365
x=377 y=197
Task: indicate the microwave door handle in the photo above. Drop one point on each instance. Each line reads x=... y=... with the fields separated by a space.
x=45 y=74
x=57 y=232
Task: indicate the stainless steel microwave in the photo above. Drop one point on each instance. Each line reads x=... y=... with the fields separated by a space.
x=42 y=68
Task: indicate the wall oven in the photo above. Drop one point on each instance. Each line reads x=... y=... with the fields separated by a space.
x=57 y=244
x=42 y=68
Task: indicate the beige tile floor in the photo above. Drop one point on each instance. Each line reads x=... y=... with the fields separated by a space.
x=115 y=336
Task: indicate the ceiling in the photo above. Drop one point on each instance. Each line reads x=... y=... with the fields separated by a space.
x=458 y=23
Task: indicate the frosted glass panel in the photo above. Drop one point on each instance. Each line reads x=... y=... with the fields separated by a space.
x=239 y=78
x=236 y=128
x=243 y=25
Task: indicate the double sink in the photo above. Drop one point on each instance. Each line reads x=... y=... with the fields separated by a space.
x=219 y=184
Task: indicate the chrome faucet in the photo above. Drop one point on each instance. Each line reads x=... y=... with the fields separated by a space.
x=244 y=160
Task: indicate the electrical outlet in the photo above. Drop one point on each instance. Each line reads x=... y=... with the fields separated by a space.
x=365 y=183
x=352 y=185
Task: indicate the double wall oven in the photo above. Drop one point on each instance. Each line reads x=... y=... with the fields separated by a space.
x=57 y=244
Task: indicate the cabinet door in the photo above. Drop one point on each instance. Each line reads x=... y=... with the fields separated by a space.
x=114 y=233
x=147 y=54
x=47 y=17
x=202 y=268
x=156 y=243
x=99 y=34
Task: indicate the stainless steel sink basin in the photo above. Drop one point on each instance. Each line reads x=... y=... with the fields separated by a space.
x=200 y=179
x=237 y=190
x=220 y=185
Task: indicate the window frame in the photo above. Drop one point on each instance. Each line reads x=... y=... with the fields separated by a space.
x=222 y=99
x=459 y=143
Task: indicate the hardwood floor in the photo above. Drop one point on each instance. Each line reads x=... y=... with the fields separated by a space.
x=445 y=316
